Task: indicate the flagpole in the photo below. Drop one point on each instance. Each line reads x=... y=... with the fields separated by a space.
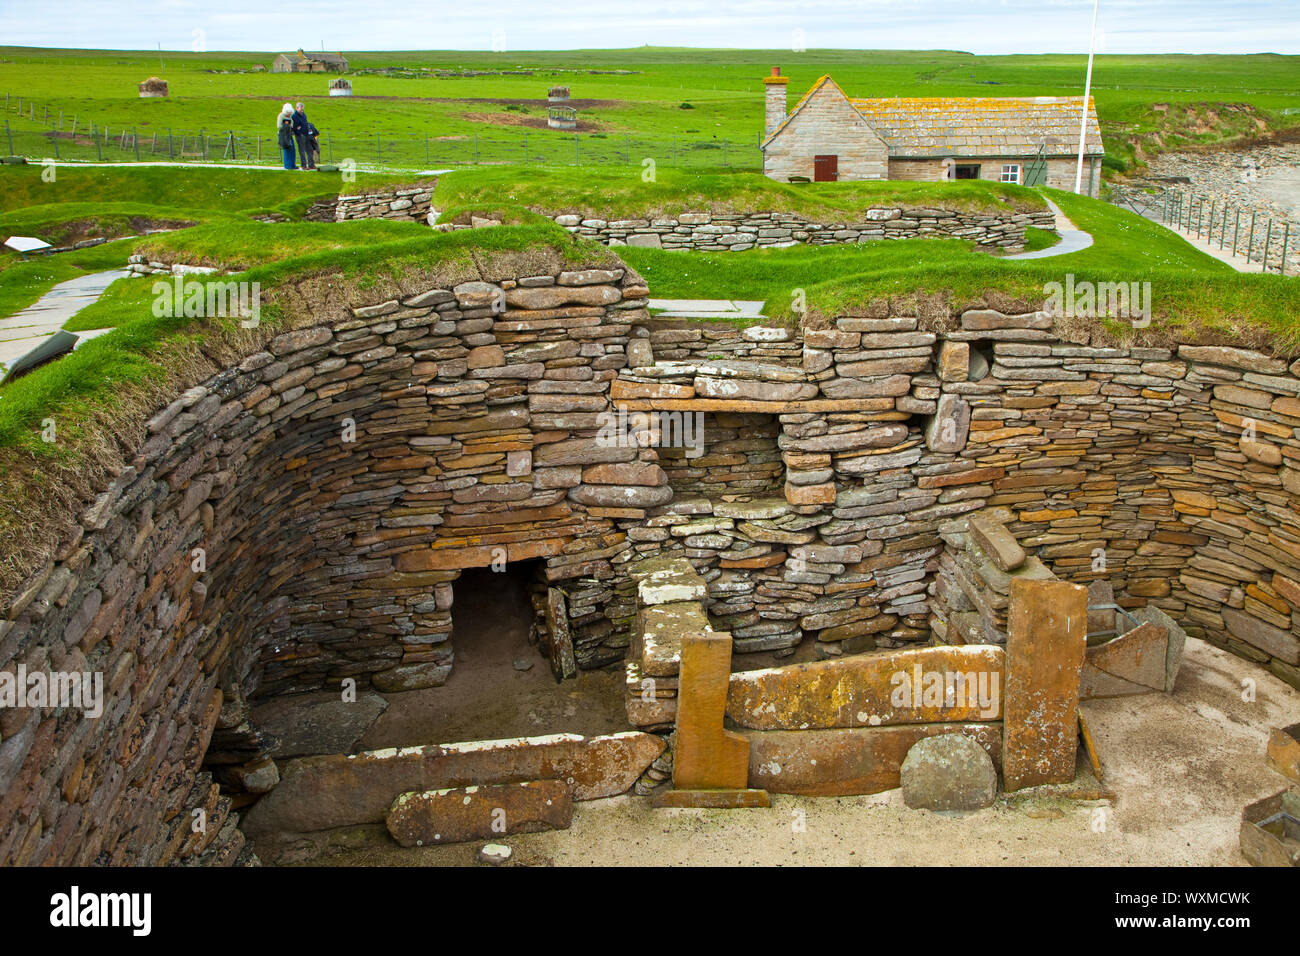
x=1083 y=113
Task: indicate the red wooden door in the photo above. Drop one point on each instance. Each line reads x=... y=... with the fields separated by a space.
x=826 y=169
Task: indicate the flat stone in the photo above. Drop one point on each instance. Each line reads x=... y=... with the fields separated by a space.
x=1244 y=359
x=705 y=756
x=997 y=542
x=954 y=361
x=1046 y=637
x=320 y=723
x=908 y=686
x=947 y=431
x=861 y=760
x=1283 y=751
x=948 y=772
x=460 y=814
x=551 y=297
x=621 y=496
x=1137 y=656
x=749 y=390
x=1271 y=640
x=411 y=677
x=661 y=631
x=320 y=793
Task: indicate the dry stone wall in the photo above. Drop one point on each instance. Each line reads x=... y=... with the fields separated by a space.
x=402 y=203
x=716 y=232
x=302 y=516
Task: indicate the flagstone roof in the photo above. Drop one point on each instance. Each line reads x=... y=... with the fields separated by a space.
x=970 y=126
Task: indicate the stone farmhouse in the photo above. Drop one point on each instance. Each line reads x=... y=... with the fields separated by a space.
x=829 y=136
x=301 y=62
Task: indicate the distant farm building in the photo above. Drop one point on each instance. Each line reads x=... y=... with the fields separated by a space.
x=557 y=94
x=301 y=62
x=1032 y=141
x=340 y=87
x=153 y=87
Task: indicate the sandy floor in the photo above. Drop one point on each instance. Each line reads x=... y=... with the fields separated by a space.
x=1181 y=768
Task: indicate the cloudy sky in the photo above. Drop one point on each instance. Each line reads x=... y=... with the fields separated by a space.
x=978 y=26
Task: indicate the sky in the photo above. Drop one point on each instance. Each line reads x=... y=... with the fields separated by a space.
x=976 y=26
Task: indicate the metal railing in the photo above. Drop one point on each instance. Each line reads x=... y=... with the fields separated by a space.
x=1241 y=230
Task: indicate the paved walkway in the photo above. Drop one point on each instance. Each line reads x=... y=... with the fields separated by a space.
x=27 y=331
x=1238 y=262
x=1073 y=239
x=708 y=308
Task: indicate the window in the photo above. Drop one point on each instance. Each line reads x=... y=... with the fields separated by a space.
x=1011 y=173
x=966 y=171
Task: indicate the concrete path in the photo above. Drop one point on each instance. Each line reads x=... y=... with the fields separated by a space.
x=708 y=308
x=1210 y=248
x=361 y=167
x=1073 y=239
x=31 y=328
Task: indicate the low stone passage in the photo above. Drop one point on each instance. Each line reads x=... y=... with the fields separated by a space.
x=501 y=685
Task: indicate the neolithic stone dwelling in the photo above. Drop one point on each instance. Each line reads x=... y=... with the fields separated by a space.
x=829 y=136
x=301 y=62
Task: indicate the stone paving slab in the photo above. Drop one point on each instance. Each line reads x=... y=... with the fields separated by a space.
x=25 y=331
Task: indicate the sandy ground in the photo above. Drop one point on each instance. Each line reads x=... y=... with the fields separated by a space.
x=1180 y=768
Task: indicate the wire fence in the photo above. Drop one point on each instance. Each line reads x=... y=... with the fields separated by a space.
x=1243 y=231
x=40 y=132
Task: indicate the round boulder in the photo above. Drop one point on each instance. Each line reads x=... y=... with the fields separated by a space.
x=948 y=772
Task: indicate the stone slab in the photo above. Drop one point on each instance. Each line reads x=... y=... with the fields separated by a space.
x=1046 y=637
x=322 y=723
x=840 y=762
x=705 y=756
x=460 y=814
x=1283 y=751
x=908 y=686
x=319 y=793
x=1137 y=656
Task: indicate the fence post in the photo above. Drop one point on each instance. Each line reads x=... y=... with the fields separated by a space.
x=377 y=151
x=169 y=144
x=99 y=150
x=1250 y=240
x=576 y=160
x=259 y=147
x=74 y=125
x=1209 y=231
x=426 y=147
x=9 y=134
x=1236 y=231
x=627 y=151
x=1223 y=227
x=476 y=147
x=525 y=146
x=56 y=144
x=1268 y=241
x=329 y=145
x=1286 y=238
x=724 y=154
x=135 y=141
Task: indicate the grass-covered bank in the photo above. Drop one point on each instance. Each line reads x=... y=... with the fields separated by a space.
x=624 y=194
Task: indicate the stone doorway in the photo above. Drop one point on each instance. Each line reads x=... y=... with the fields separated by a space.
x=500 y=683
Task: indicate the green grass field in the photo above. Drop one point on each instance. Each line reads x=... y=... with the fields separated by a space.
x=679 y=106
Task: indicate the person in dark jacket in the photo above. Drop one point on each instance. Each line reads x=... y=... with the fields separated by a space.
x=313 y=144
x=303 y=138
x=285 y=139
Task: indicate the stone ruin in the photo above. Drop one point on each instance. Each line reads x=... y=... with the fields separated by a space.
x=1003 y=497
x=153 y=87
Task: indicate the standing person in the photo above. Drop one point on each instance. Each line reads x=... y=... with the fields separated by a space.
x=285 y=139
x=303 y=138
x=313 y=140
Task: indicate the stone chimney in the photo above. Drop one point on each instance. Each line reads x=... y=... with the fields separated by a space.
x=775 y=107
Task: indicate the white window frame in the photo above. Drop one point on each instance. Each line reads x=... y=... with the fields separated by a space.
x=1012 y=170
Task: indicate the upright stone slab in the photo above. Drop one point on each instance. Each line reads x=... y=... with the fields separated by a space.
x=1047 y=635
x=705 y=756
